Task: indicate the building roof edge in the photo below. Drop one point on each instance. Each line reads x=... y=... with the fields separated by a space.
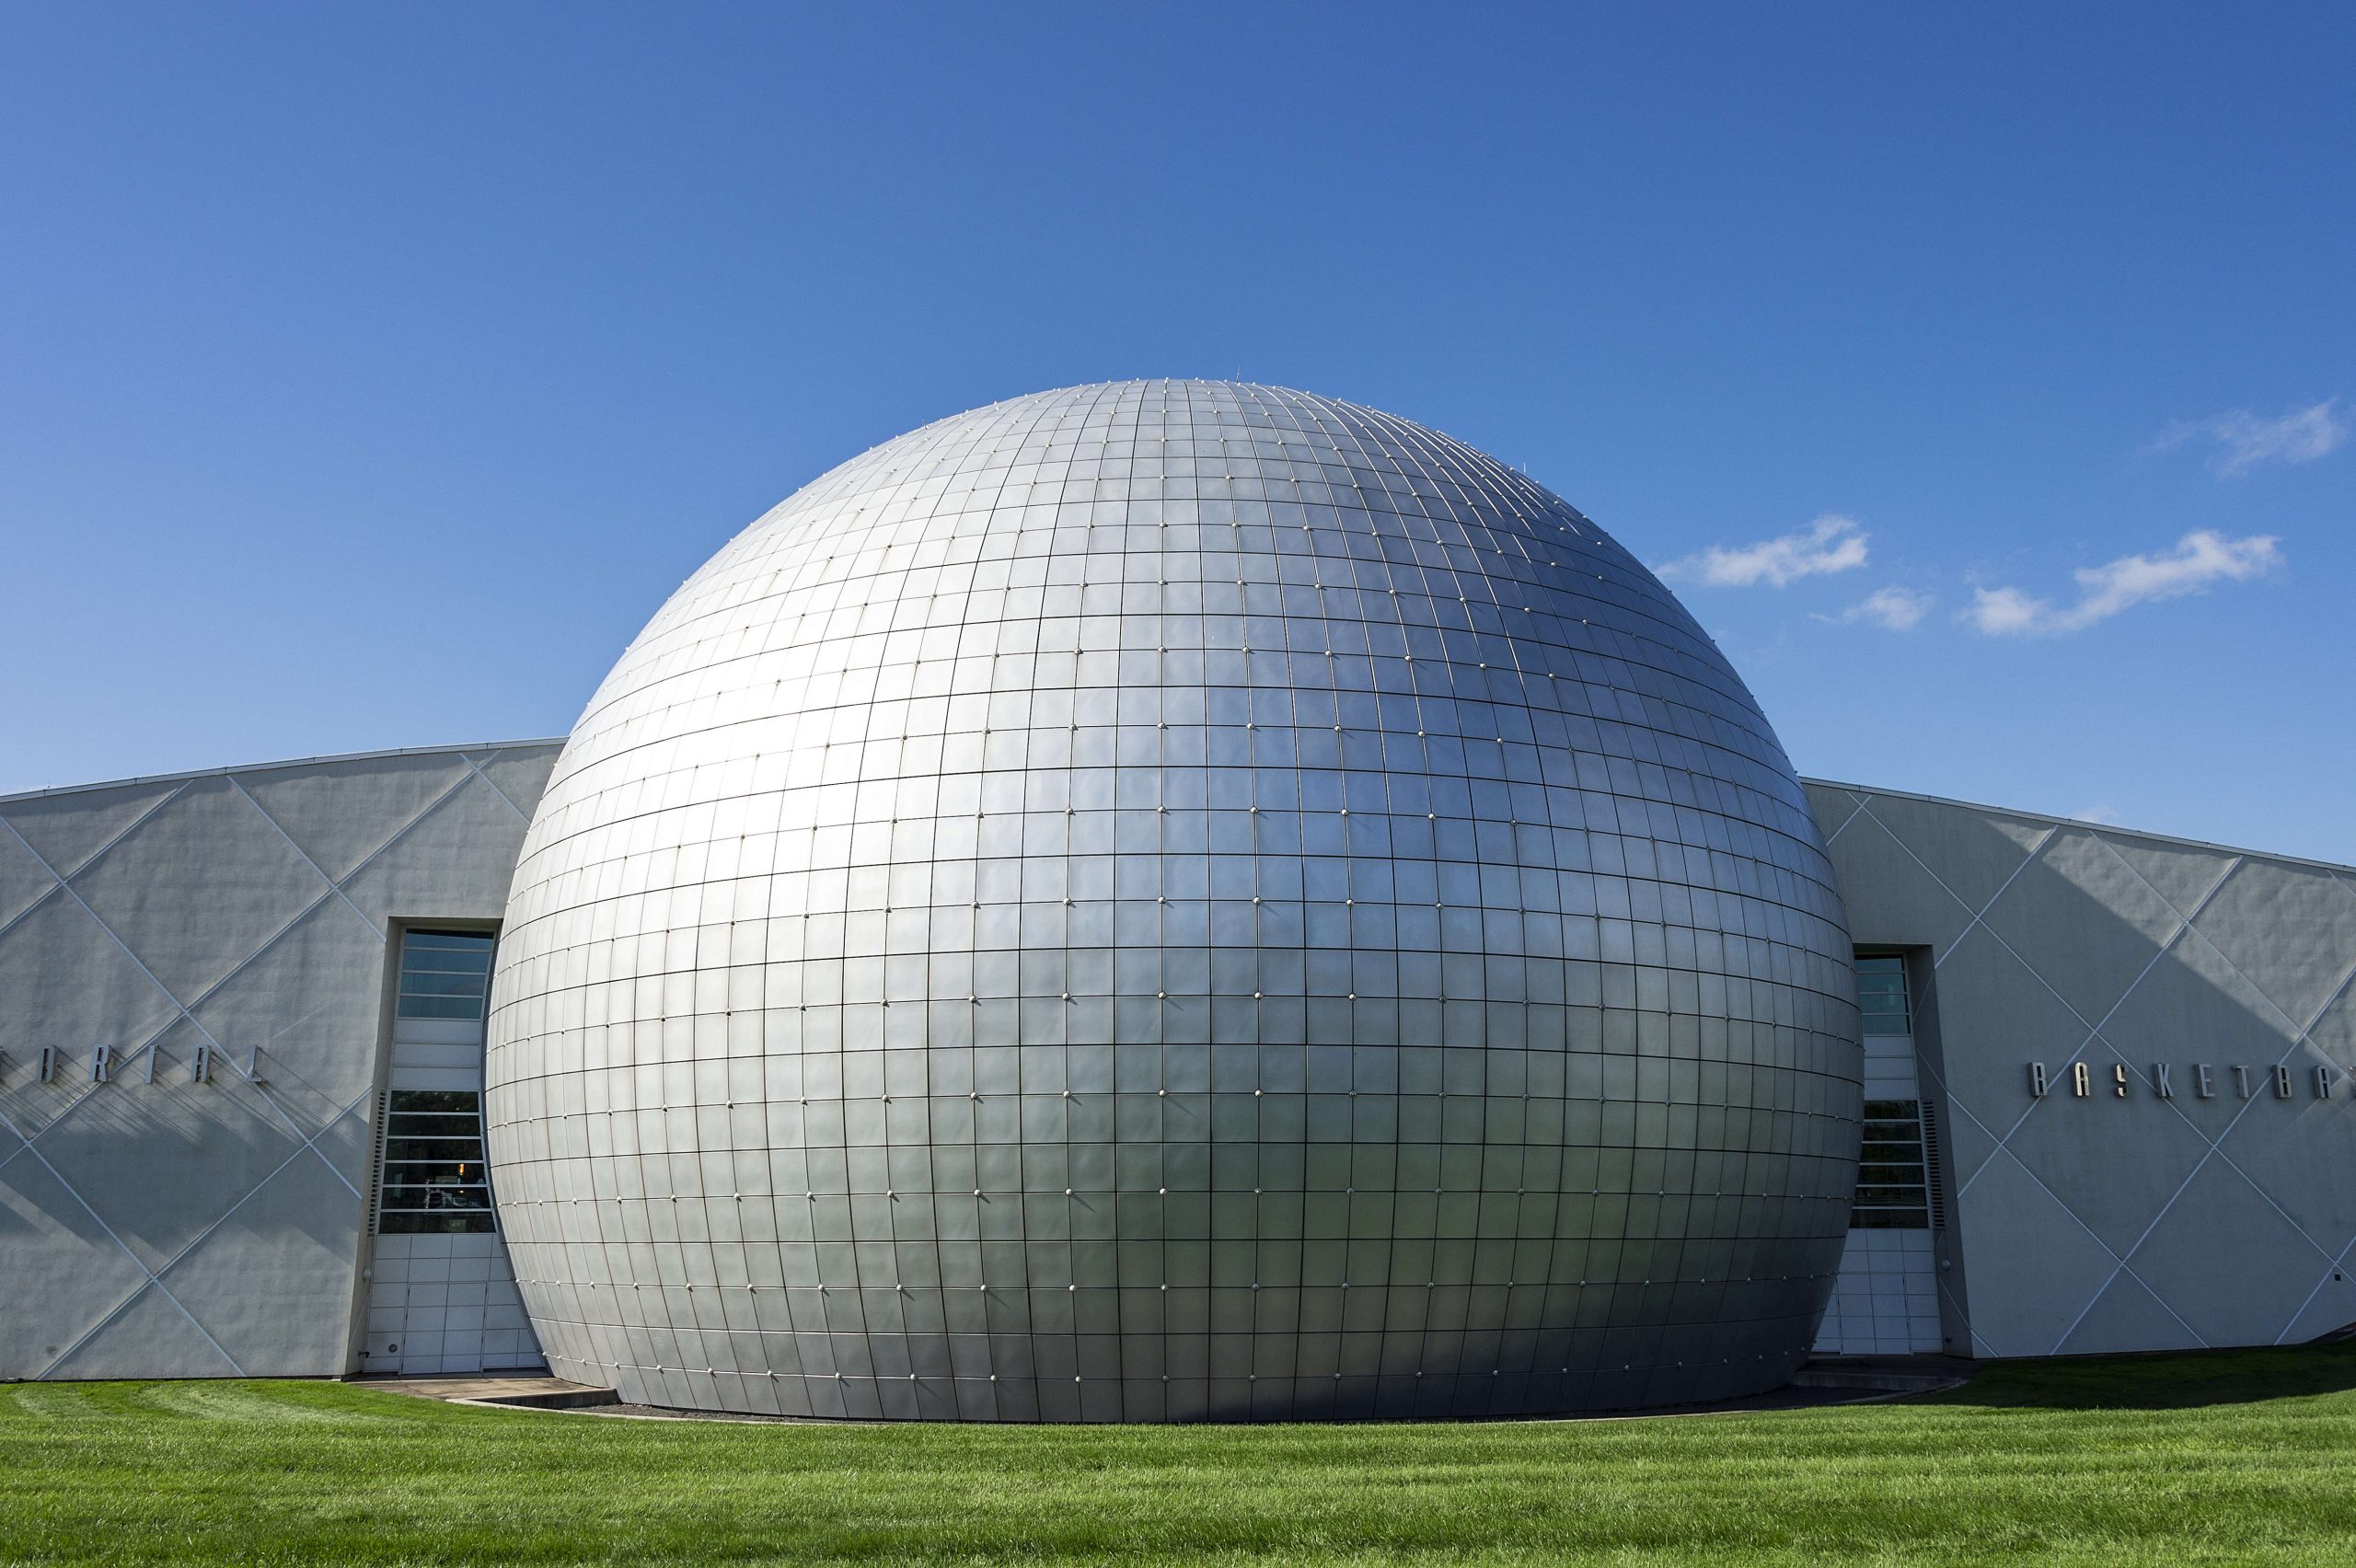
x=2111 y=829
x=475 y=748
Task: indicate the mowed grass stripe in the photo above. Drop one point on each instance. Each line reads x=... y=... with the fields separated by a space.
x=2246 y=1457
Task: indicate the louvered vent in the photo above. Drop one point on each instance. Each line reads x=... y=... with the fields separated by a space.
x=1935 y=1188
x=376 y=1166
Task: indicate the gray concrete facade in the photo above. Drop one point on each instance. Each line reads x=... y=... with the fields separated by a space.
x=169 y=1228
x=193 y=1028
x=2198 y=1185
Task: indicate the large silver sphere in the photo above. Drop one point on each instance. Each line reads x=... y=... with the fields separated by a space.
x=1173 y=899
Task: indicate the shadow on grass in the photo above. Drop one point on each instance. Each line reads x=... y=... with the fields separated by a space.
x=2170 y=1380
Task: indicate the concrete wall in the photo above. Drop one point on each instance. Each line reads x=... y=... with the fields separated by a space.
x=2124 y=1218
x=158 y=1226
x=153 y=1225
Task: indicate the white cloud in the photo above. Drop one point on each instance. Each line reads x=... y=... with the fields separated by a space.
x=2102 y=814
x=1832 y=543
x=1892 y=608
x=2199 y=559
x=1999 y=611
x=2246 y=441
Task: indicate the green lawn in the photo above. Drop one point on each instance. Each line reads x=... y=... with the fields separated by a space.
x=2232 y=1458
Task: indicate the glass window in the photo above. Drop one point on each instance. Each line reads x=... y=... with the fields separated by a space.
x=444 y=974
x=1892 y=1191
x=435 y=1180
x=1881 y=996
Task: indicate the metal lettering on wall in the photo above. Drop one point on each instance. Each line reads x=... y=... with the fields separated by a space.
x=107 y=1061
x=2322 y=1081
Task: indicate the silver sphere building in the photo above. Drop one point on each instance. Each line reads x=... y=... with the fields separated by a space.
x=1173 y=899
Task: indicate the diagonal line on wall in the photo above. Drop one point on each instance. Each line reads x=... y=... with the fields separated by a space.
x=1938 y=1081
x=428 y=810
x=87 y=1335
x=333 y=889
x=2129 y=1270
x=2093 y=1030
x=2233 y=863
x=2255 y=989
x=2300 y=1037
x=119 y=942
x=185 y=1010
x=2144 y=1235
x=166 y=798
x=2095 y=1034
x=40 y=898
x=218 y=1223
x=2301 y=1031
x=134 y=825
x=520 y=814
x=306 y=1142
x=304 y=855
x=1980 y=916
x=268 y=943
x=2217 y=1144
x=1864 y=807
x=2117 y=1258
x=86 y=861
x=1945 y=1285
x=273 y=1103
x=2215 y=1149
x=1953 y=1103
x=89 y=1091
x=155 y=1040
x=2215 y=1152
x=102 y=926
x=2118 y=1262
x=2034 y=851
x=1856 y=811
x=193 y=1242
x=59 y=1177
x=293 y=1128
x=337 y=890
x=2303 y=1037
x=2328 y=1274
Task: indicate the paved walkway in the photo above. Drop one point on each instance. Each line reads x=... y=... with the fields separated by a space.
x=533 y=1388
x=1832 y=1380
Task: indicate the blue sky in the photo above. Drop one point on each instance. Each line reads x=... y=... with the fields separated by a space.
x=1984 y=377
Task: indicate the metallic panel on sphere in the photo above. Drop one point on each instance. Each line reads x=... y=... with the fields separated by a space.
x=1173 y=899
